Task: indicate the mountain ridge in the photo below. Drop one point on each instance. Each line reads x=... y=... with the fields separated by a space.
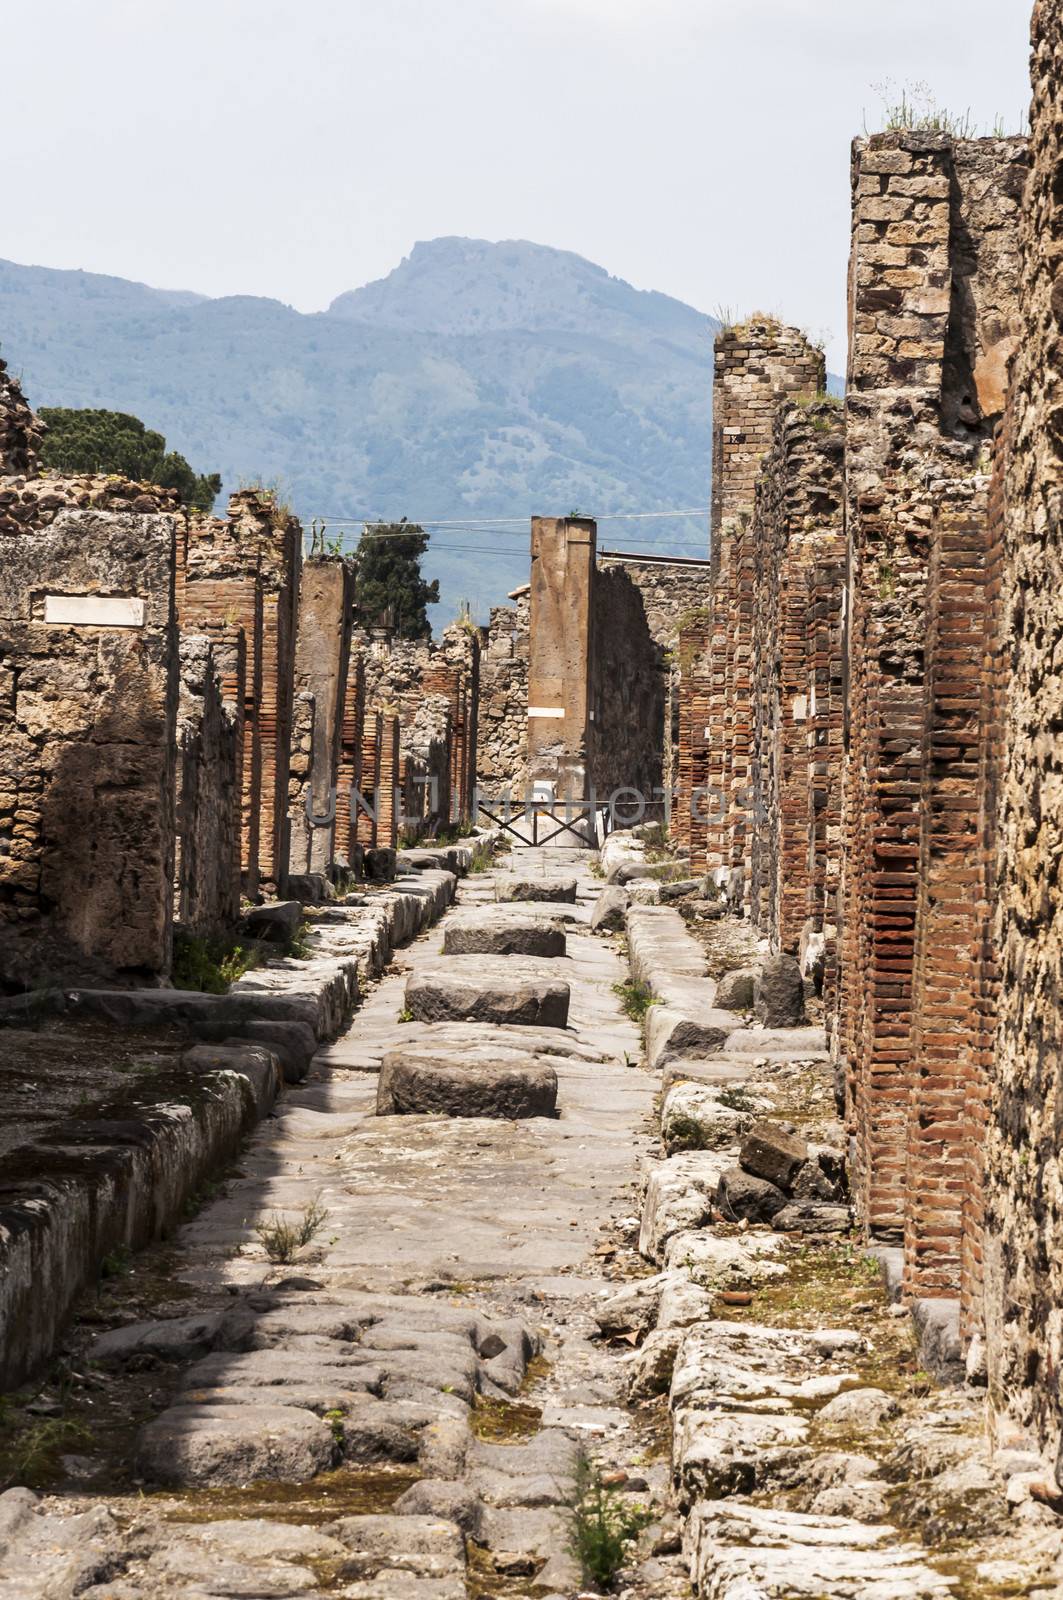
x=475 y=380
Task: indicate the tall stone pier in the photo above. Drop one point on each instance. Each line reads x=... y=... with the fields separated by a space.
x=560 y=660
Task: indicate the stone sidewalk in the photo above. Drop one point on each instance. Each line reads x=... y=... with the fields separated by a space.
x=399 y=1410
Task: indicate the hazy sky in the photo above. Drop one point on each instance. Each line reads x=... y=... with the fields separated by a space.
x=298 y=148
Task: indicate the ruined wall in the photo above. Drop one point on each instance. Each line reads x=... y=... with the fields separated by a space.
x=758 y=364
x=88 y=695
x=674 y=591
x=20 y=430
x=502 y=745
x=349 y=779
x=795 y=773
x=1024 y=1192
x=626 y=733
x=934 y=239
x=209 y=780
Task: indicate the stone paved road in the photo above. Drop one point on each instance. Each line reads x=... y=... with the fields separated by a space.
x=423 y=1371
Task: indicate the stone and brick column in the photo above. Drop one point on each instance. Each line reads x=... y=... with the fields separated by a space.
x=349 y=782
x=932 y=321
x=209 y=778
x=758 y=364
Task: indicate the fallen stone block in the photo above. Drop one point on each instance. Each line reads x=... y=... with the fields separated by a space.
x=481 y=933
x=740 y=1194
x=694 y=1117
x=779 y=993
x=865 y=1407
x=653 y=1363
x=559 y=890
x=646 y=893
x=812 y=1216
x=717 y=1454
x=608 y=913
x=672 y=1035
x=679 y=1197
x=467 y=988
x=508 y=1085
x=309 y=888
x=634 y=1308
x=199 y=1445
x=774 y=1151
x=275 y=921
x=734 y=992
x=719 y=1262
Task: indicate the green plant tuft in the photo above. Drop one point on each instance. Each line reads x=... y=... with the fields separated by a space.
x=603 y=1525
x=635 y=997
x=281 y=1240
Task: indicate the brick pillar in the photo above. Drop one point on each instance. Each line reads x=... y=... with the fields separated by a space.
x=389 y=781
x=690 y=818
x=367 y=825
x=797 y=523
x=932 y=275
x=349 y=781
x=947 y=969
x=219 y=586
x=273 y=538
x=757 y=364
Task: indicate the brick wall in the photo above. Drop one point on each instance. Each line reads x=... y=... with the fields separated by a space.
x=934 y=237
x=797 y=539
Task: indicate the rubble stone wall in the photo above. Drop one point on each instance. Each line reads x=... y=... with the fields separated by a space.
x=20 y=429
x=626 y=732
x=209 y=780
x=1024 y=1193
x=502 y=744
x=88 y=701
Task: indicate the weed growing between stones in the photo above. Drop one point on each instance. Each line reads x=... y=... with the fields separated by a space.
x=505 y=1421
x=31 y=1455
x=208 y=966
x=282 y=1240
x=603 y=1525
x=635 y=997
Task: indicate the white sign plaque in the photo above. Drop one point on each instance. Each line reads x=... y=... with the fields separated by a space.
x=546 y=711
x=93 y=611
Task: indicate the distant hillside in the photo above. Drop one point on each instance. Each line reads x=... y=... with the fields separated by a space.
x=477 y=380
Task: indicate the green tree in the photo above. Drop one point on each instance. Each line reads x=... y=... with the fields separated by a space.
x=391 y=590
x=113 y=441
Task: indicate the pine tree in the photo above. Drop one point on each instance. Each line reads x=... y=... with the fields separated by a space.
x=114 y=441
x=391 y=590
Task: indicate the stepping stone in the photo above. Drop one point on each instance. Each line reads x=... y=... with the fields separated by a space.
x=227 y=1444
x=562 y=890
x=483 y=1083
x=486 y=933
x=468 y=988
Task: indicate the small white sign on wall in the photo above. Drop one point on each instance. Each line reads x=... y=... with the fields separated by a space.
x=546 y=711
x=93 y=611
